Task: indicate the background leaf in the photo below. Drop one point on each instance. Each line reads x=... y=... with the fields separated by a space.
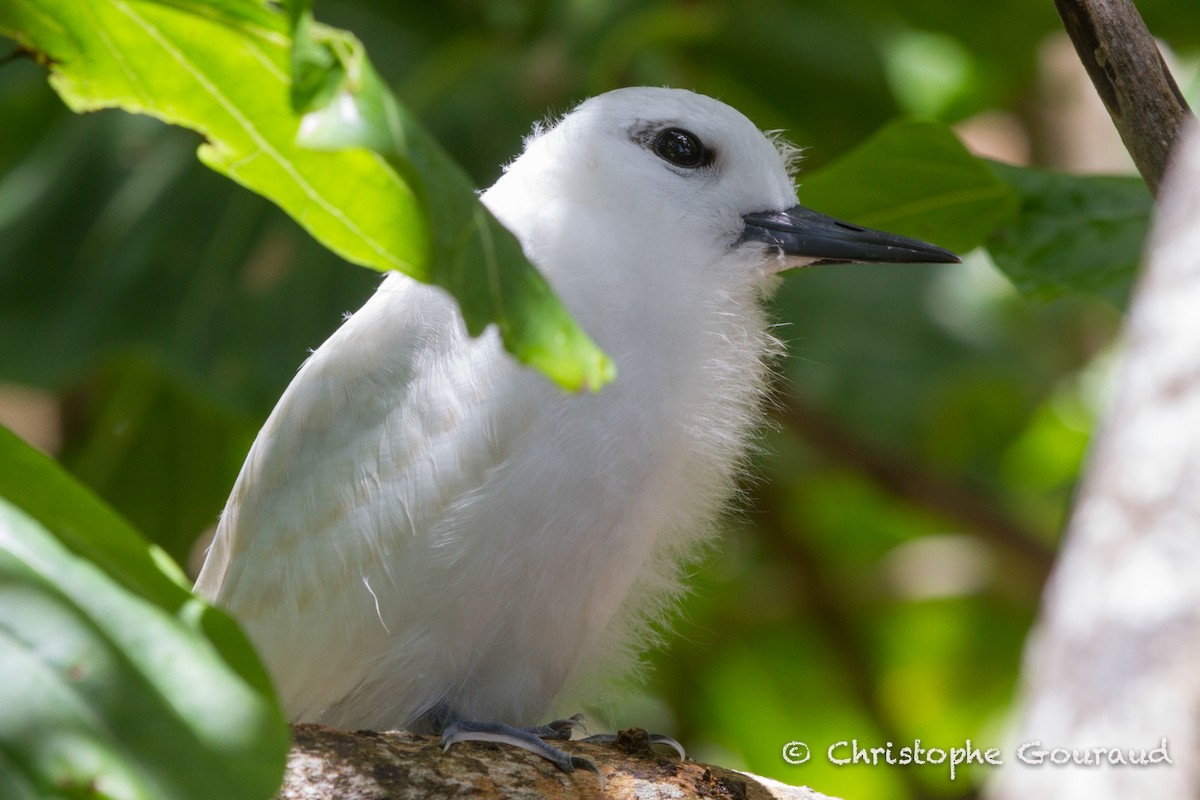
x=156 y=449
x=1074 y=233
x=913 y=178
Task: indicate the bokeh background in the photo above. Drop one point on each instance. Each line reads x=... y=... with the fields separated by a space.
x=878 y=578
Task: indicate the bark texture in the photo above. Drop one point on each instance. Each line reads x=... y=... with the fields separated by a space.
x=328 y=764
x=1131 y=78
x=1115 y=659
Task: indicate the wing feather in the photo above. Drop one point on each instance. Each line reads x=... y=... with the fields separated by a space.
x=355 y=464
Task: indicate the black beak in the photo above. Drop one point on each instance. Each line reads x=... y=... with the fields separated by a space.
x=803 y=233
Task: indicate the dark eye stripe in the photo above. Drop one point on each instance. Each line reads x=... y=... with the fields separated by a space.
x=681 y=148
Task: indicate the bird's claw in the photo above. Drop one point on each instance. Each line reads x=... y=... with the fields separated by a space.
x=651 y=738
x=530 y=739
x=559 y=728
x=667 y=741
x=579 y=762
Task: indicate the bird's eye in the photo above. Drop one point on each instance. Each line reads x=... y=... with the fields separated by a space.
x=681 y=148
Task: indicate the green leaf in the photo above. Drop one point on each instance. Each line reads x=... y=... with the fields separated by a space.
x=465 y=238
x=916 y=179
x=117 y=681
x=224 y=70
x=317 y=72
x=1074 y=233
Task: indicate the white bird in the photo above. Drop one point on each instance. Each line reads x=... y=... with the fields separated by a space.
x=427 y=535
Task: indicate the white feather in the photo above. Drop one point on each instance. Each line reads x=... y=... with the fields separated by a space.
x=421 y=520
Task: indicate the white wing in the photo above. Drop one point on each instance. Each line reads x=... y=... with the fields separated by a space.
x=378 y=434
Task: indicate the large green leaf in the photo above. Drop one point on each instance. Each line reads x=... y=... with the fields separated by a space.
x=1074 y=233
x=466 y=239
x=917 y=179
x=117 y=681
x=224 y=70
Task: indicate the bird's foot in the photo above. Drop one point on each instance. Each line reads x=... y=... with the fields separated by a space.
x=559 y=729
x=532 y=739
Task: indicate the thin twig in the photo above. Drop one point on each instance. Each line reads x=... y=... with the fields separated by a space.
x=1131 y=78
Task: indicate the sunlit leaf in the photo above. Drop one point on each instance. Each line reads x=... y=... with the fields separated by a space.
x=224 y=70
x=471 y=250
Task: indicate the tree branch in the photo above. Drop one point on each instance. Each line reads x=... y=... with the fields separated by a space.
x=1131 y=78
x=329 y=764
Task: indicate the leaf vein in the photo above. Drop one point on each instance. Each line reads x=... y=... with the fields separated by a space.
x=257 y=137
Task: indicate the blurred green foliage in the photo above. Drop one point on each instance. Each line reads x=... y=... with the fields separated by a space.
x=887 y=560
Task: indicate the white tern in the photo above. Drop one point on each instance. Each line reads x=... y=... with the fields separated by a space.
x=427 y=535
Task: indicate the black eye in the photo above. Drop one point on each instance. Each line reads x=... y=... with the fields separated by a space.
x=681 y=148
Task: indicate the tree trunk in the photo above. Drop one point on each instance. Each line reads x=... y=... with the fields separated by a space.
x=1115 y=659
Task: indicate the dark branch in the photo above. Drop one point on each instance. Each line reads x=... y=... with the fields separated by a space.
x=1131 y=78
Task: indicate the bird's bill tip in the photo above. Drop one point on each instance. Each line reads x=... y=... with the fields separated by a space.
x=801 y=233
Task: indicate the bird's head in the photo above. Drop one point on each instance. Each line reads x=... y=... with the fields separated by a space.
x=678 y=168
